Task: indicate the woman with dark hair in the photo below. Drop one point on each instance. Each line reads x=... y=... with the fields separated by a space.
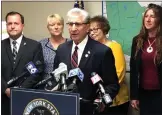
x=146 y=64
x=99 y=28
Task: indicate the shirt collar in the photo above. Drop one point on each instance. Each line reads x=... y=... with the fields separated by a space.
x=81 y=45
x=18 y=41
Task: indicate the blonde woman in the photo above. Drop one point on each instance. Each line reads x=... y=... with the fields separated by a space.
x=55 y=26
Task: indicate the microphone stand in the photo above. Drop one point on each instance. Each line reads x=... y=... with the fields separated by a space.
x=97 y=103
x=63 y=83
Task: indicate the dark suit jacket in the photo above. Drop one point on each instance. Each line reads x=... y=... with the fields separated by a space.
x=100 y=60
x=29 y=50
x=135 y=72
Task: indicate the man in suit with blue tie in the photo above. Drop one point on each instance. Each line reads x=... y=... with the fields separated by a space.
x=17 y=51
x=90 y=56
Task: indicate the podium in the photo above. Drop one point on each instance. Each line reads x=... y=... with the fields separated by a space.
x=40 y=102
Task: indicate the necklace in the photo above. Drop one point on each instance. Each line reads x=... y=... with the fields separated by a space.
x=150 y=48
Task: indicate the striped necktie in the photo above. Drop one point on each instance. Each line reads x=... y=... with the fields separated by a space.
x=14 y=52
x=74 y=58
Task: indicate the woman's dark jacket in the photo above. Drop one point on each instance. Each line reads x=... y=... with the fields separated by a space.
x=135 y=72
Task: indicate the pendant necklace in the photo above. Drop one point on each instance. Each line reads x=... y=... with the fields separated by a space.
x=150 y=48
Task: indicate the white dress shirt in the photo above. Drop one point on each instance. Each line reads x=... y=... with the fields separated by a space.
x=18 y=42
x=81 y=47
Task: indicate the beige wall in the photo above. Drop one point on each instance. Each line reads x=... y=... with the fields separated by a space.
x=35 y=14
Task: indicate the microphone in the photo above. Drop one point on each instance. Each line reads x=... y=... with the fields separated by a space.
x=61 y=73
x=44 y=81
x=11 y=81
x=76 y=76
x=96 y=79
x=31 y=69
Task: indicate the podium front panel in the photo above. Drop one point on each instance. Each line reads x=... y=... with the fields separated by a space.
x=39 y=102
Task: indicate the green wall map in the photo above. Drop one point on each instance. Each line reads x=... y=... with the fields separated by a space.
x=125 y=19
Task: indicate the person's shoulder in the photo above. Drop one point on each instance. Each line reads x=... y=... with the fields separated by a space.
x=30 y=40
x=67 y=39
x=66 y=44
x=98 y=46
x=31 y=43
x=4 y=40
x=44 y=40
x=115 y=44
x=135 y=38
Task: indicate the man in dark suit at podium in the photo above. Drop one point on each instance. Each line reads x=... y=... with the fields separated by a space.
x=91 y=56
x=17 y=51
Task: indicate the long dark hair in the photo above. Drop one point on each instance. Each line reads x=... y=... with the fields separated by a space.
x=144 y=33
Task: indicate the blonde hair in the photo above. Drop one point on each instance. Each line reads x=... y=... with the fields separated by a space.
x=57 y=16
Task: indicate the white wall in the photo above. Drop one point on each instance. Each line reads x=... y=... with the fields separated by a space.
x=35 y=14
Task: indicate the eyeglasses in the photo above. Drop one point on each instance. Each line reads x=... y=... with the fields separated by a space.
x=77 y=24
x=94 y=30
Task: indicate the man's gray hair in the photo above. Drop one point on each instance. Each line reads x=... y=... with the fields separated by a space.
x=81 y=12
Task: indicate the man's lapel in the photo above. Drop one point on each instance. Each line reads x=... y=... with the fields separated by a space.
x=21 y=51
x=9 y=51
x=87 y=53
x=68 y=52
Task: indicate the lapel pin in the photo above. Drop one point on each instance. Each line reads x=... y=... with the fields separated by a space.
x=24 y=43
x=86 y=55
x=89 y=52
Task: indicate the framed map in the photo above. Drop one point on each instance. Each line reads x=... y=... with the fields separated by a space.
x=125 y=18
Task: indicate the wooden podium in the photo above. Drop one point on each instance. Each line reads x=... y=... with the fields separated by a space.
x=40 y=102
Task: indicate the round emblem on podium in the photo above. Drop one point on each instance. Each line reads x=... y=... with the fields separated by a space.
x=40 y=107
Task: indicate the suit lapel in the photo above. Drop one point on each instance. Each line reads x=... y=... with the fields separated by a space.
x=9 y=51
x=68 y=52
x=87 y=53
x=21 y=51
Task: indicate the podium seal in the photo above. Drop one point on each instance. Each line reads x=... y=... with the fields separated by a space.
x=40 y=107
